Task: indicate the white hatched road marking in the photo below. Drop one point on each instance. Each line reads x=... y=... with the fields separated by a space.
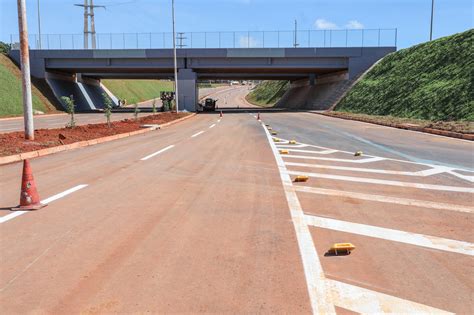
x=157 y=152
x=366 y=301
x=416 y=239
x=361 y=161
x=197 y=134
x=386 y=199
x=329 y=151
x=386 y=182
x=45 y=201
x=321 y=301
x=424 y=173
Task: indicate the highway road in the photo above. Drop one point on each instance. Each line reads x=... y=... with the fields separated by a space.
x=204 y=217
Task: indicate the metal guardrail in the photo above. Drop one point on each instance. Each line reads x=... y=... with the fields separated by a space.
x=230 y=39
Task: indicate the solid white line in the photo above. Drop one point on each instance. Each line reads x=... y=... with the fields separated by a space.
x=386 y=199
x=385 y=182
x=197 y=134
x=45 y=201
x=321 y=302
x=315 y=152
x=366 y=301
x=157 y=152
x=361 y=161
x=286 y=145
x=428 y=241
x=212 y=126
x=424 y=173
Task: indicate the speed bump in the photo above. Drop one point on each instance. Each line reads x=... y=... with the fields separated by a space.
x=292 y=142
x=301 y=178
x=284 y=151
x=274 y=133
x=358 y=153
x=341 y=247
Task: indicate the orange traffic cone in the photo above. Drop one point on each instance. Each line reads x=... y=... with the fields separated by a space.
x=29 y=198
x=220 y=114
x=258 y=116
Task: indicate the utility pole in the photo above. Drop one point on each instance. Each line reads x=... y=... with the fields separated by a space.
x=181 y=37
x=295 y=43
x=25 y=71
x=175 y=60
x=89 y=12
x=431 y=25
x=39 y=25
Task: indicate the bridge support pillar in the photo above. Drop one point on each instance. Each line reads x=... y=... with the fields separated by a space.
x=187 y=88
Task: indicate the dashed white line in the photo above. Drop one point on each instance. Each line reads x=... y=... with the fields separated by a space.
x=416 y=239
x=386 y=199
x=45 y=201
x=157 y=152
x=197 y=134
x=212 y=126
x=386 y=182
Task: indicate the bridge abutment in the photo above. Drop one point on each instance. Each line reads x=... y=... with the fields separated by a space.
x=188 y=91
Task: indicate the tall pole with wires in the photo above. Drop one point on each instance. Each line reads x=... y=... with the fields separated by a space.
x=431 y=24
x=175 y=59
x=39 y=25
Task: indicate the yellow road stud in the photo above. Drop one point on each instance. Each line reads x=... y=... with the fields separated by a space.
x=276 y=140
x=358 y=153
x=341 y=247
x=284 y=151
x=274 y=133
x=292 y=142
x=301 y=178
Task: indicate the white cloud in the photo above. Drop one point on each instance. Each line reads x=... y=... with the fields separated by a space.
x=248 y=42
x=354 y=24
x=322 y=24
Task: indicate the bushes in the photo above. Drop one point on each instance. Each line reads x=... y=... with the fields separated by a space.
x=431 y=81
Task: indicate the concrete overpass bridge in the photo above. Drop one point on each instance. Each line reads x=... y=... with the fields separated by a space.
x=79 y=72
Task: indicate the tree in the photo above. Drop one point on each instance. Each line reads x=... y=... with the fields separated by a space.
x=136 y=111
x=5 y=48
x=70 y=108
x=153 y=106
x=107 y=107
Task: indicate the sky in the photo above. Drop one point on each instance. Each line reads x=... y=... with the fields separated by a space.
x=410 y=17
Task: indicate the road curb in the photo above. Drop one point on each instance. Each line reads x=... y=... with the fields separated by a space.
x=438 y=132
x=81 y=144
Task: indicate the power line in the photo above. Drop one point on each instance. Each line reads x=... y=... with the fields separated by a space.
x=89 y=14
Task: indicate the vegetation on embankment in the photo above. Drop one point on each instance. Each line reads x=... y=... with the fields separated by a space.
x=431 y=81
x=11 y=99
x=135 y=91
x=267 y=93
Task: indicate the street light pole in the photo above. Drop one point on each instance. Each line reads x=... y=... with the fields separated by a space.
x=25 y=71
x=175 y=60
x=431 y=25
x=39 y=24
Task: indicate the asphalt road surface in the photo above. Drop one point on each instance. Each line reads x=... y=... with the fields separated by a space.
x=203 y=217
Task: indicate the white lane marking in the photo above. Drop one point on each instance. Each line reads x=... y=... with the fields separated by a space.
x=424 y=173
x=321 y=302
x=465 y=177
x=212 y=126
x=386 y=199
x=218 y=120
x=361 y=161
x=285 y=145
x=315 y=152
x=45 y=201
x=366 y=301
x=157 y=152
x=416 y=239
x=197 y=134
x=385 y=182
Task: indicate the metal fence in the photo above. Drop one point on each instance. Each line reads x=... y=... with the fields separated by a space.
x=230 y=39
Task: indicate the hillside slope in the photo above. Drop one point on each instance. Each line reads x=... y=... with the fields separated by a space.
x=267 y=93
x=135 y=91
x=431 y=81
x=11 y=101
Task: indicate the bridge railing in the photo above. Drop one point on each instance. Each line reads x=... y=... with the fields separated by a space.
x=229 y=39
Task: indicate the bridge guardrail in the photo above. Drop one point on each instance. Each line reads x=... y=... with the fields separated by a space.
x=227 y=39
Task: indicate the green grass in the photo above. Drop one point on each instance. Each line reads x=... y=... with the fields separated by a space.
x=135 y=91
x=430 y=81
x=11 y=100
x=267 y=93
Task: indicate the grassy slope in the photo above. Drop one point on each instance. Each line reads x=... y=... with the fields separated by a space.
x=267 y=93
x=135 y=91
x=430 y=81
x=11 y=101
